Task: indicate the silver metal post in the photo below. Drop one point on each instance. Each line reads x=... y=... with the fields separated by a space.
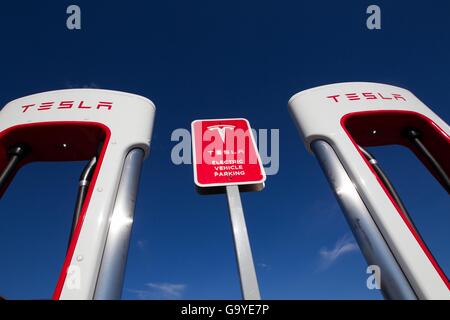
x=112 y=269
x=249 y=282
x=394 y=284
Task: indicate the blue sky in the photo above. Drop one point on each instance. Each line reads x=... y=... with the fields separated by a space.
x=214 y=59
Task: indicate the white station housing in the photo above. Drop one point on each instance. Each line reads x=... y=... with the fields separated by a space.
x=77 y=124
x=334 y=121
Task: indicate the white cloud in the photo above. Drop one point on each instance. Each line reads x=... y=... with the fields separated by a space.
x=169 y=291
x=264 y=266
x=142 y=294
x=342 y=246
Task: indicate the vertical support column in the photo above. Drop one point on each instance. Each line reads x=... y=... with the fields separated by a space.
x=394 y=284
x=247 y=273
x=112 y=269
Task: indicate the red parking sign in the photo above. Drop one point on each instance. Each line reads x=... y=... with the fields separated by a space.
x=225 y=153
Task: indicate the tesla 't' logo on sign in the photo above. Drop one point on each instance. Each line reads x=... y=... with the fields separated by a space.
x=221 y=129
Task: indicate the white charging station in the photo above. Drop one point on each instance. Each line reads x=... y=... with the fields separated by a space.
x=336 y=122
x=112 y=130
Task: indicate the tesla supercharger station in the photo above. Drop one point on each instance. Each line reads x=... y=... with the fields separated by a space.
x=111 y=130
x=337 y=122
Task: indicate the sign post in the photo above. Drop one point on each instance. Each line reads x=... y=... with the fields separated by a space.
x=249 y=282
x=226 y=160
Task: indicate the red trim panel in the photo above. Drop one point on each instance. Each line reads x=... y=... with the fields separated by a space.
x=389 y=126
x=76 y=233
x=59 y=141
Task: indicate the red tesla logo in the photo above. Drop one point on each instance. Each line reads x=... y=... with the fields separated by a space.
x=68 y=104
x=365 y=96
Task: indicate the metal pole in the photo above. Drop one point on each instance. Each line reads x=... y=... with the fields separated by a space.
x=17 y=153
x=249 y=282
x=83 y=187
x=414 y=136
x=394 y=283
x=389 y=186
x=112 y=269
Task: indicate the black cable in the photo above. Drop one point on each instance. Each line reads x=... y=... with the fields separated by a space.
x=16 y=154
x=374 y=163
x=393 y=192
x=414 y=136
x=83 y=187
